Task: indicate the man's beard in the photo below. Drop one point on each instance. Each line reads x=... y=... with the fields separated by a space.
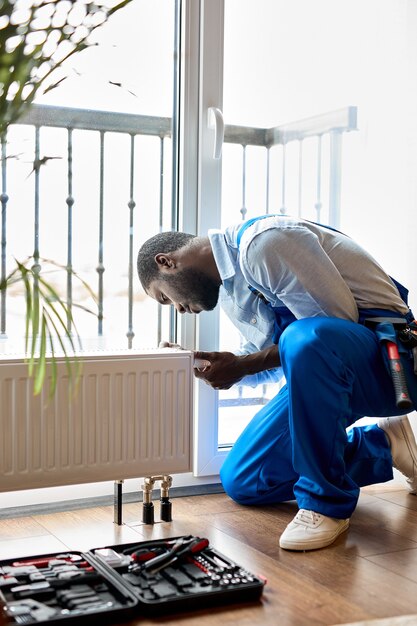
x=193 y=287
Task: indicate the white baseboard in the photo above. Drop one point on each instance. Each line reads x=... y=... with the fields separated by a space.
x=32 y=497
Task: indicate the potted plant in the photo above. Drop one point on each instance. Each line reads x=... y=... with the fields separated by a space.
x=36 y=39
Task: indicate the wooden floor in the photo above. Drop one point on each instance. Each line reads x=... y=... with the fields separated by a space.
x=369 y=573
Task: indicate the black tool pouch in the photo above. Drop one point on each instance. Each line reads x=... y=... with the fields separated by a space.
x=408 y=338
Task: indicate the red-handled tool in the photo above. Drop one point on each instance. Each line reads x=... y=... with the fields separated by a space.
x=189 y=549
x=402 y=397
x=184 y=546
x=146 y=555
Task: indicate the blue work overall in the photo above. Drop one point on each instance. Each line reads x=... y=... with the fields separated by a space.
x=297 y=445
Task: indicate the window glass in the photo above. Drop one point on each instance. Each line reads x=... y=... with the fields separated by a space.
x=100 y=191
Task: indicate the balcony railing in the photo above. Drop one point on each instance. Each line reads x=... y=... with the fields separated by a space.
x=331 y=125
x=326 y=131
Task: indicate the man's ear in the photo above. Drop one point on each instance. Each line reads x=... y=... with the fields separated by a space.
x=164 y=262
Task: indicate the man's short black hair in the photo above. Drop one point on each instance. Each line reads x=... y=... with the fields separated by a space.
x=162 y=242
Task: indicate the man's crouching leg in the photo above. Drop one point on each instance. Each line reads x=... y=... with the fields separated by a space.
x=320 y=380
x=259 y=469
x=335 y=374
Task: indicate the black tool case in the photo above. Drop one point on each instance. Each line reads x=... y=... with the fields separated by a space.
x=116 y=583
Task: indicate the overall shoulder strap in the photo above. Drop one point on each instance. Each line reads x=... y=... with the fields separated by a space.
x=248 y=223
x=251 y=221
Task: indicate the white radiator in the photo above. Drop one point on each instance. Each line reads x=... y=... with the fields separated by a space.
x=131 y=416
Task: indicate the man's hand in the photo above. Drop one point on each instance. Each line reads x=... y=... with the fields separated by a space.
x=167 y=344
x=223 y=370
x=226 y=369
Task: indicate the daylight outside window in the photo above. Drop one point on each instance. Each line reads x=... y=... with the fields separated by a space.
x=103 y=183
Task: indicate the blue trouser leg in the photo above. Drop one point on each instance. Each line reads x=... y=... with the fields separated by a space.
x=297 y=444
x=259 y=467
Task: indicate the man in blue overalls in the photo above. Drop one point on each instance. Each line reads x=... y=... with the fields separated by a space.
x=299 y=293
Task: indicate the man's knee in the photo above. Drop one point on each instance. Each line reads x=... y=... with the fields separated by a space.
x=299 y=338
x=231 y=483
x=308 y=338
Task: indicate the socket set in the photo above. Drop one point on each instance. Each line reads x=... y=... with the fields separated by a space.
x=123 y=582
x=54 y=587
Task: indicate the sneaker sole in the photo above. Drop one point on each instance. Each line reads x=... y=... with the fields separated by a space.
x=410 y=441
x=313 y=544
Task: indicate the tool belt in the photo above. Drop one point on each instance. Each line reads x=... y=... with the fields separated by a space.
x=406 y=332
x=394 y=332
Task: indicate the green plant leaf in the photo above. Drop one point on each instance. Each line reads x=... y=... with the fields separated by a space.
x=73 y=273
x=54 y=368
x=69 y=363
x=29 y=304
x=41 y=369
x=34 y=322
x=47 y=315
x=54 y=309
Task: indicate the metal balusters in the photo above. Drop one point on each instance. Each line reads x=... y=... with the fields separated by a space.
x=318 y=204
x=100 y=266
x=335 y=177
x=283 y=209
x=300 y=177
x=36 y=170
x=268 y=153
x=70 y=204
x=161 y=215
x=131 y=204
x=243 y=210
x=4 y=198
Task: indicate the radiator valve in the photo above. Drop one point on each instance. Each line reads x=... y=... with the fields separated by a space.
x=166 y=506
x=148 y=511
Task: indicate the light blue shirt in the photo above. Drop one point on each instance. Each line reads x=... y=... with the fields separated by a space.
x=310 y=269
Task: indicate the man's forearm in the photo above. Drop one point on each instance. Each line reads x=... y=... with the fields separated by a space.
x=260 y=361
x=226 y=369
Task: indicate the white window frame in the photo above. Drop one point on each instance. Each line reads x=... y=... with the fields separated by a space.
x=201 y=198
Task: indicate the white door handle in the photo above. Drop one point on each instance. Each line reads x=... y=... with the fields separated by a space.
x=215 y=120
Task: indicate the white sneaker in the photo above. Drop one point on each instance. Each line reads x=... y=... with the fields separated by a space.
x=403 y=447
x=310 y=530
